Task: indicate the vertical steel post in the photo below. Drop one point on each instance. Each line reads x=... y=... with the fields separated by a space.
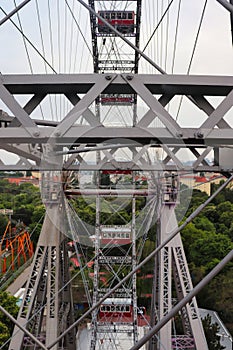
x=134 y=263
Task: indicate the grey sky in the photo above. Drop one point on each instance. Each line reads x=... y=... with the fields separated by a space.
x=66 y=50
x=213 y=54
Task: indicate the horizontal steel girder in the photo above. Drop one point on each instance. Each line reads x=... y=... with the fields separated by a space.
x=91 y=167
x=81 y=83
x=112 y=192
x=94 y=135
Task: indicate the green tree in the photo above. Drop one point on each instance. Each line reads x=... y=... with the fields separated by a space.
x=211 y=330
x=211 y=213
x=226 y=218
x=189 y=235
x=4 y=334
x=217 y=295
x=224 y=207
x=230 y=233
x=208 y=247
x=24 y=214
x=225 y=195
x=203 y=223
x=221 y=228
x=8 y=302
x=3 y=224
x=198 y=197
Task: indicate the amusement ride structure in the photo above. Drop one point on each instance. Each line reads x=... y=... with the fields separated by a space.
x=125 y=141
x=16 y=246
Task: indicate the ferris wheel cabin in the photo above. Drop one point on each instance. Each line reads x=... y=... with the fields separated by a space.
x=116 y=308
x=123 y=21
x=116 y=99
x=115 y=235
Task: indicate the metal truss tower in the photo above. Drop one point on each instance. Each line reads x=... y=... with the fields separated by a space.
x=171 y=262
x=47 y=307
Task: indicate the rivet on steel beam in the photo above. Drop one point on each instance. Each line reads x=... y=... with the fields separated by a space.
x=129 y=77
x=108 y=77
x=36 y=134
x=200 y=134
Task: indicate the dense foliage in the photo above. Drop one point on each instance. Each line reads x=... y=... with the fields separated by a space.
x=25 y=200
x=207 y=239
x=211 y=330
x=8 y=302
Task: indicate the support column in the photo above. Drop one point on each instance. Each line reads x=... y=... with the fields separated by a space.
x=134 y=262
x=47 y=307
x=164 y=280
x=172 y=259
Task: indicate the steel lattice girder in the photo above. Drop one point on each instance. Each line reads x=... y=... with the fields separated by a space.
x=24 y=132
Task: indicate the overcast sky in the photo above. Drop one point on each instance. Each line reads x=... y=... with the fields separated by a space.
x=65 y=41
x=213 y=53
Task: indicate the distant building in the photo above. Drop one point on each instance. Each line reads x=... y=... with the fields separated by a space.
x=20 y=180
x=202 y=183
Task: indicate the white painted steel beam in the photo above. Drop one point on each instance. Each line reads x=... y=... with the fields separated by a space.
x=111 y=192
x=90 y=135
x=195 y=85
x=227 y=5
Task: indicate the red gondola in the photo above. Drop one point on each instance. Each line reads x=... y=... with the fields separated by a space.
x=116 y=235
x=114 y=172
x=123 y=21
x=117 y=308
x=124 y=100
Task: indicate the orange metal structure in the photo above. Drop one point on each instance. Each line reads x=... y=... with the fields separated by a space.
x=15 y=247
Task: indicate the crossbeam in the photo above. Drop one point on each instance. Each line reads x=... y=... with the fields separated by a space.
x=111 y=192
x=81 y=84
x=27 y=137
x=92 y=136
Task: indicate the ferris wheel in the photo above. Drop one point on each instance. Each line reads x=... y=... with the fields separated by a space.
x=124 y=195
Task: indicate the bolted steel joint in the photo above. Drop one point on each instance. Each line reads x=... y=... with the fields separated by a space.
x=200 y=135
x=129 y=77
x=108 y=77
